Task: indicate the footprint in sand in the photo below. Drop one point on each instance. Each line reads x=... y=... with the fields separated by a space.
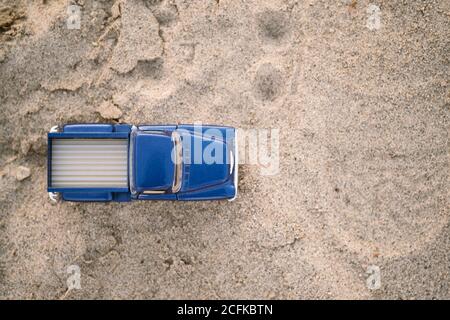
x=268 y=82
x=274 y=26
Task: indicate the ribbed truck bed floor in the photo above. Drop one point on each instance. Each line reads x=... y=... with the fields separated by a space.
x=96 y=163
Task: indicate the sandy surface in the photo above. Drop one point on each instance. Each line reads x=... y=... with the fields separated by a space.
x=363 y=117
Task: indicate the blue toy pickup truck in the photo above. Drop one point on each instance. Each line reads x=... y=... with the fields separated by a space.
x=121 y=162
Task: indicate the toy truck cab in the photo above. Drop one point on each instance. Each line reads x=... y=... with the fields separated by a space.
x=106 y=162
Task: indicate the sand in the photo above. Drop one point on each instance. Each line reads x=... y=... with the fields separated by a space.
x=362 y=105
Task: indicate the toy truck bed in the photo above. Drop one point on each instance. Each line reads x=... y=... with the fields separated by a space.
x=89 y=163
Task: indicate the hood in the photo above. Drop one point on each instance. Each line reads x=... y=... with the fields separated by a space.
x=201 y=171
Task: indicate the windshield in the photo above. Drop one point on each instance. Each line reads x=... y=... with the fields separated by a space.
x=178 y=158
